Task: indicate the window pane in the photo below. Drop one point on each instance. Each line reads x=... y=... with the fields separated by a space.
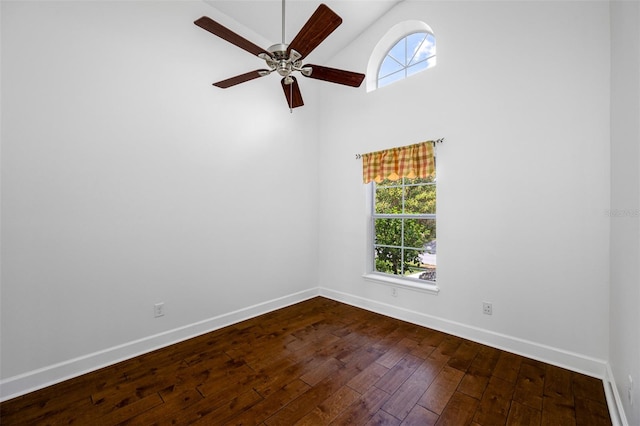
x=412 y=54
x=388 y=232
x=412 y=263
x=418 y=232
x=414 y=44
x=399 y=52
x=420 y=66
x=391 y=78
x=388 y=260
x=431 y=62
x=389 y=200
x=420 y=199
x=428 y=255
x=426 y=49
x=389 y=66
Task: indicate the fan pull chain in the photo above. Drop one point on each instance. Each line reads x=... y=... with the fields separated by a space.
x=290 y=96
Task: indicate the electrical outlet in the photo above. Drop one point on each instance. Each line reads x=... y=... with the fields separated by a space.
x=394 y=291
x=487 y=308
x=158 y=310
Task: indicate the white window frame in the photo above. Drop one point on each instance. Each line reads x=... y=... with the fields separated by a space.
x=406 y=67
x=379 y=277
x=395 y=34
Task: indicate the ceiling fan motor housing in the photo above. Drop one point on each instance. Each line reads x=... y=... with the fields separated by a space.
x=285 y=63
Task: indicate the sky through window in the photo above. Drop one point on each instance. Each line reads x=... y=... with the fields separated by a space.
x=413 y=53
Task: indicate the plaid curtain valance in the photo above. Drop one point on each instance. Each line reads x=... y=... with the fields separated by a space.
x=412 y=161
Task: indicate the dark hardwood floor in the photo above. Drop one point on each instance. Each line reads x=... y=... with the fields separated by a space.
x=320 y=362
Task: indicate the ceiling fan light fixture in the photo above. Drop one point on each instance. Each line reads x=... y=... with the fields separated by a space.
x=294 y=55
x=287 y=58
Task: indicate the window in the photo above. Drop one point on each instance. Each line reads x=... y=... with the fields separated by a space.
x=415 y=52
x=394 y=36
x=404 y=229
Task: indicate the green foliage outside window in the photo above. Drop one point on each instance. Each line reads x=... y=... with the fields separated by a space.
x=400 y=241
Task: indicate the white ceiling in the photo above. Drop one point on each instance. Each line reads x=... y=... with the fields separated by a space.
x=265 y=18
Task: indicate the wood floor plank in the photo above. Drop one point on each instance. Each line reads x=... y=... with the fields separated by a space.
x=320 y=362
x=330 y=408
x=330 y=366
x=446 y=348
x=590 y=412
x=530 y=385
x=420 y=416
x=264 y=409
x=485 y=361
x=397 y=375
x=367 y=377
x=126 y=412
x=363 y=409
x=286 y=370
x=405 y=398
x=556 y=411
x=495 y=403
x=397 y=352
x=523 y=415
x=174 y=400
x=225 y=412
x=507 y=367
x=310 y=399
x=439 y=393
x=463 y=356
x=382 y=418
x=558 y=383
x=473 y=385
x=588 y=387
x=459 y=410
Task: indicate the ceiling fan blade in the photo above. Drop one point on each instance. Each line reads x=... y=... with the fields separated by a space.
x=292 y=93
x=322 y=23
x=225 y=33
x=335 y=75
x=241 y=78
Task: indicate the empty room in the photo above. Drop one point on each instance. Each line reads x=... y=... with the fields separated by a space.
x=232 y=212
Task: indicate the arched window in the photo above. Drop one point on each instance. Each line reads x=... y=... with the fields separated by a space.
x=407 y=48
x=415 y=52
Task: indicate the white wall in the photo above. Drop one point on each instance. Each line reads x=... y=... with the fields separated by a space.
x=127 y=179
x=521 y=95
x=624 y=352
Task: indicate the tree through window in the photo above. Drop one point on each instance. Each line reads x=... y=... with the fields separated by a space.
x=413 y=53
x=404 y=227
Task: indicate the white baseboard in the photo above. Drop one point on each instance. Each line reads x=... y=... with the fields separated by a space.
x=571 y=361
x=616 y=410
x=43 y=377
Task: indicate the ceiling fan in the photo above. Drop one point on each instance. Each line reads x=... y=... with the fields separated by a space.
x=286 y=59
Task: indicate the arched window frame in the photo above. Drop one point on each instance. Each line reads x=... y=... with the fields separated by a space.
x=386 y=43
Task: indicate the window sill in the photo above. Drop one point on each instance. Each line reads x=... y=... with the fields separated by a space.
x=404 y=283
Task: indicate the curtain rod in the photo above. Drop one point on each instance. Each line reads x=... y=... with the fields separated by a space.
x=359 y=156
